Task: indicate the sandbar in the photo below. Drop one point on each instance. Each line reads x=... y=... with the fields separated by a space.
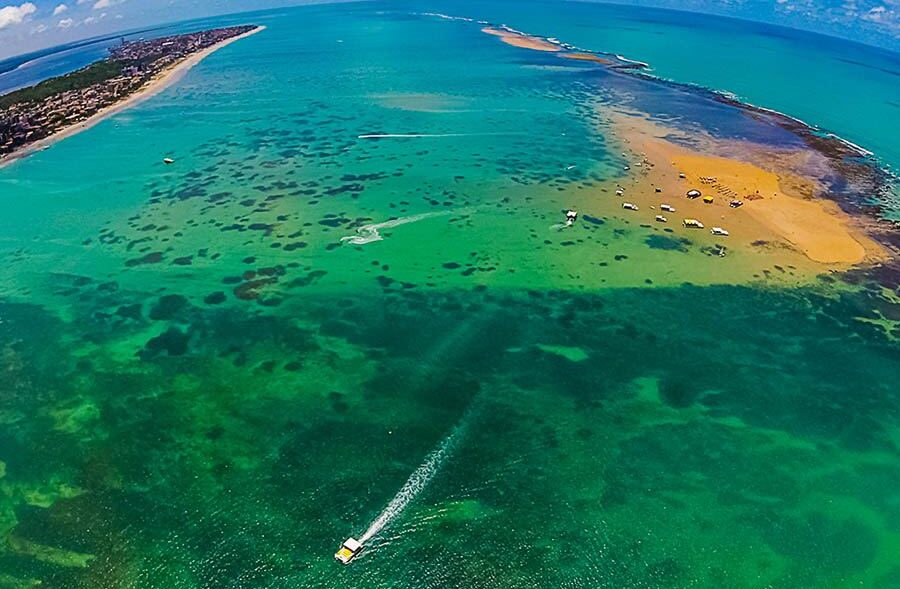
x=586 y=57
x=522 y=40
x=781 y=209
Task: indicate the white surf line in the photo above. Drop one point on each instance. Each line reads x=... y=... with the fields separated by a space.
x=416 y=482
x=369 y=233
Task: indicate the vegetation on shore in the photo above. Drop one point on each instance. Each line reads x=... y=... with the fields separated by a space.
x=35 y=113
x=95 y=73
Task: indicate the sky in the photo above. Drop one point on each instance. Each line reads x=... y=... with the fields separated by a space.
x=28 y=25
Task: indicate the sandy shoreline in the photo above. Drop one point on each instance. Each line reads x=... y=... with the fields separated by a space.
x=586 y=57
x=156 y=85
x=782 y=214
x=785 y=218
x=522 y=40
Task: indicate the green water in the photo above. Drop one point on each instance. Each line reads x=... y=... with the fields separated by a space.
x=202 y=387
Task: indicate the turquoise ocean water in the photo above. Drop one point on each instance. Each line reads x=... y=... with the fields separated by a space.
x=203 y=386
x=843 y=87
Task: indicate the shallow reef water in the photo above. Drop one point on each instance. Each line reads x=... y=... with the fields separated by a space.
x=701 y=435
x=201 y=386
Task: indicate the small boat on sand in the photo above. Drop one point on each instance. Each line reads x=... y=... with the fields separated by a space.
x=719 y=231
x=630 y=206
x=736 y=203
x=661 y=219
x=693 y=193
x=692 y=224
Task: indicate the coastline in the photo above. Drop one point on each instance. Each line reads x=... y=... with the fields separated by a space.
x=615 y=61
x=784 y=210
x=162 y=81
x=865 y=236
x=858 y=166
x=517 y=39
x=816 y=136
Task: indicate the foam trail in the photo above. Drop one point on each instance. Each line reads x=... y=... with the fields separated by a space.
x=416 y=483
x=426 y=471
x=369 y=233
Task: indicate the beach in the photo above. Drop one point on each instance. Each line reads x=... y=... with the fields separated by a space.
x=781 y=210
x=521 y=40
x=353 y=308
x=159 y=83
x=587 y=57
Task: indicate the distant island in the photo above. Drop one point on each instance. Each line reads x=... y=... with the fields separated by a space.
x=134 y=70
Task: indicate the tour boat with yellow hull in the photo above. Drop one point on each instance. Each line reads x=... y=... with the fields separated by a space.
x=348 y=550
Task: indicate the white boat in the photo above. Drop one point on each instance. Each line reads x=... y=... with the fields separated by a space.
x=168 y=160
x=667 y=208
x=719 y=231
x=348 y=550
x=661 y=219
x=629 y=206
x=693 y=193
x=692 y=224
x=619 y=192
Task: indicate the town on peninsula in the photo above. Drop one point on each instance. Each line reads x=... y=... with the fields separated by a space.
x=34 y=114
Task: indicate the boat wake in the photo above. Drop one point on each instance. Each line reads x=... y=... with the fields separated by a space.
x=369 y=233
x=456 y=339
x=416 y=483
